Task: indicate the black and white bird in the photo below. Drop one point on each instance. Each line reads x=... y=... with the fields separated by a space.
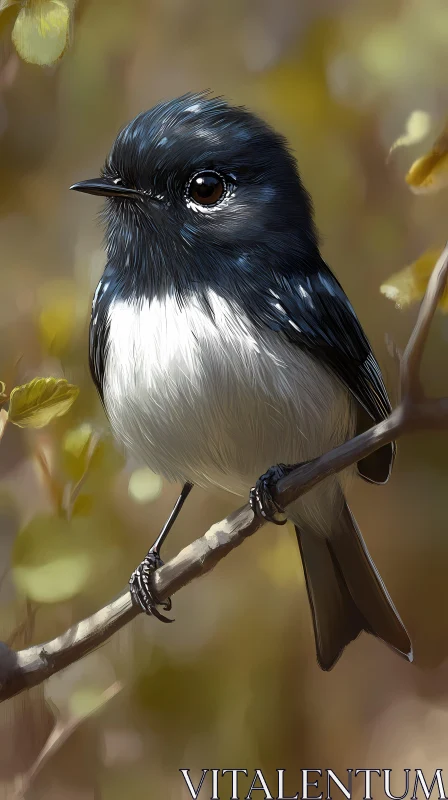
x=222 y=344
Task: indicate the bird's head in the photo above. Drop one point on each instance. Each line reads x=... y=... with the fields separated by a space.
x=198 y=178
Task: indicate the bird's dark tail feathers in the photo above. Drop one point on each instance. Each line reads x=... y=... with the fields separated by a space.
x=346 y=592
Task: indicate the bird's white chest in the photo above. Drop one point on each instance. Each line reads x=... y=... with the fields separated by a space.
x=211 y=398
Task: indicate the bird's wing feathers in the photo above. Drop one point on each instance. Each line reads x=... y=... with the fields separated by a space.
x=314 y=312
x=99 y=329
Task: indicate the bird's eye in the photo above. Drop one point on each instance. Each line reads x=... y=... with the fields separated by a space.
x=206 y=188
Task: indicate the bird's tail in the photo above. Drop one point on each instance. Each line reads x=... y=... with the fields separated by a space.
x=346 y=592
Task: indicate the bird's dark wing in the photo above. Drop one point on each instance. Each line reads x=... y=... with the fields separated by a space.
x=314 y=312
x=99 y=330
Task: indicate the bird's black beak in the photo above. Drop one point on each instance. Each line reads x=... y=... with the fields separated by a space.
x=106 y=187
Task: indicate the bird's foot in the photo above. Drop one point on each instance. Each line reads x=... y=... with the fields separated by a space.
x=143 y=593
x=260 y=498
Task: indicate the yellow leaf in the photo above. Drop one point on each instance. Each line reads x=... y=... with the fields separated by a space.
x=37 y=403
x=76 y=450
x=3 y=395
x=51 y=559
x=40 y=33
x=409 y=285
x=417 y=127
x=144 y=485
x=430 y=172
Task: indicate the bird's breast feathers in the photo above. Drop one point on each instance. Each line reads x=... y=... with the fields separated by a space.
x=199 y=392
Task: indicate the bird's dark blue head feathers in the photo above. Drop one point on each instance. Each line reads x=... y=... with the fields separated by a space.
x=194 y=182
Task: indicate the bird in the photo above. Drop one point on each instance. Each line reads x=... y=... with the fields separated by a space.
x=225 y=351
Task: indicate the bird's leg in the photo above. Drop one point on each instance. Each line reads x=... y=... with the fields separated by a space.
x=260 y=498
x=141 y=591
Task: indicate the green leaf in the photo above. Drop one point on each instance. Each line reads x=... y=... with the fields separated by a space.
x=144 y=485
x=40 y=33
x=76 y=450
x=37 y=403
x=51 y=559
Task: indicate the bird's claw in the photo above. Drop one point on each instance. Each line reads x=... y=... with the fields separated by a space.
x=260 y=498
x=143 y=593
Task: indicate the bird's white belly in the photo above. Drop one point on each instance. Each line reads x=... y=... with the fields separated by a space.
x=216 y=402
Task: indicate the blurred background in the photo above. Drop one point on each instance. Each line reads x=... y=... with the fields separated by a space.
x=234 y=683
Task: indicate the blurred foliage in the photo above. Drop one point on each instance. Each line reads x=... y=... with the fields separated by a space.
x=77 y=450
x=57 y=317
x=51 y=561
x=359 y=89
x=144 y=486
x=418 y=126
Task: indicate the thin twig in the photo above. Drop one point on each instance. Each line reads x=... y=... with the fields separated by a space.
x=29 y=667
x=63 y=729
x=25 y=627
x=54 y=490
x=72 y=491
x=410 y=365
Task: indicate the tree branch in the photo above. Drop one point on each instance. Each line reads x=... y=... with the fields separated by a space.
x=26 y=668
